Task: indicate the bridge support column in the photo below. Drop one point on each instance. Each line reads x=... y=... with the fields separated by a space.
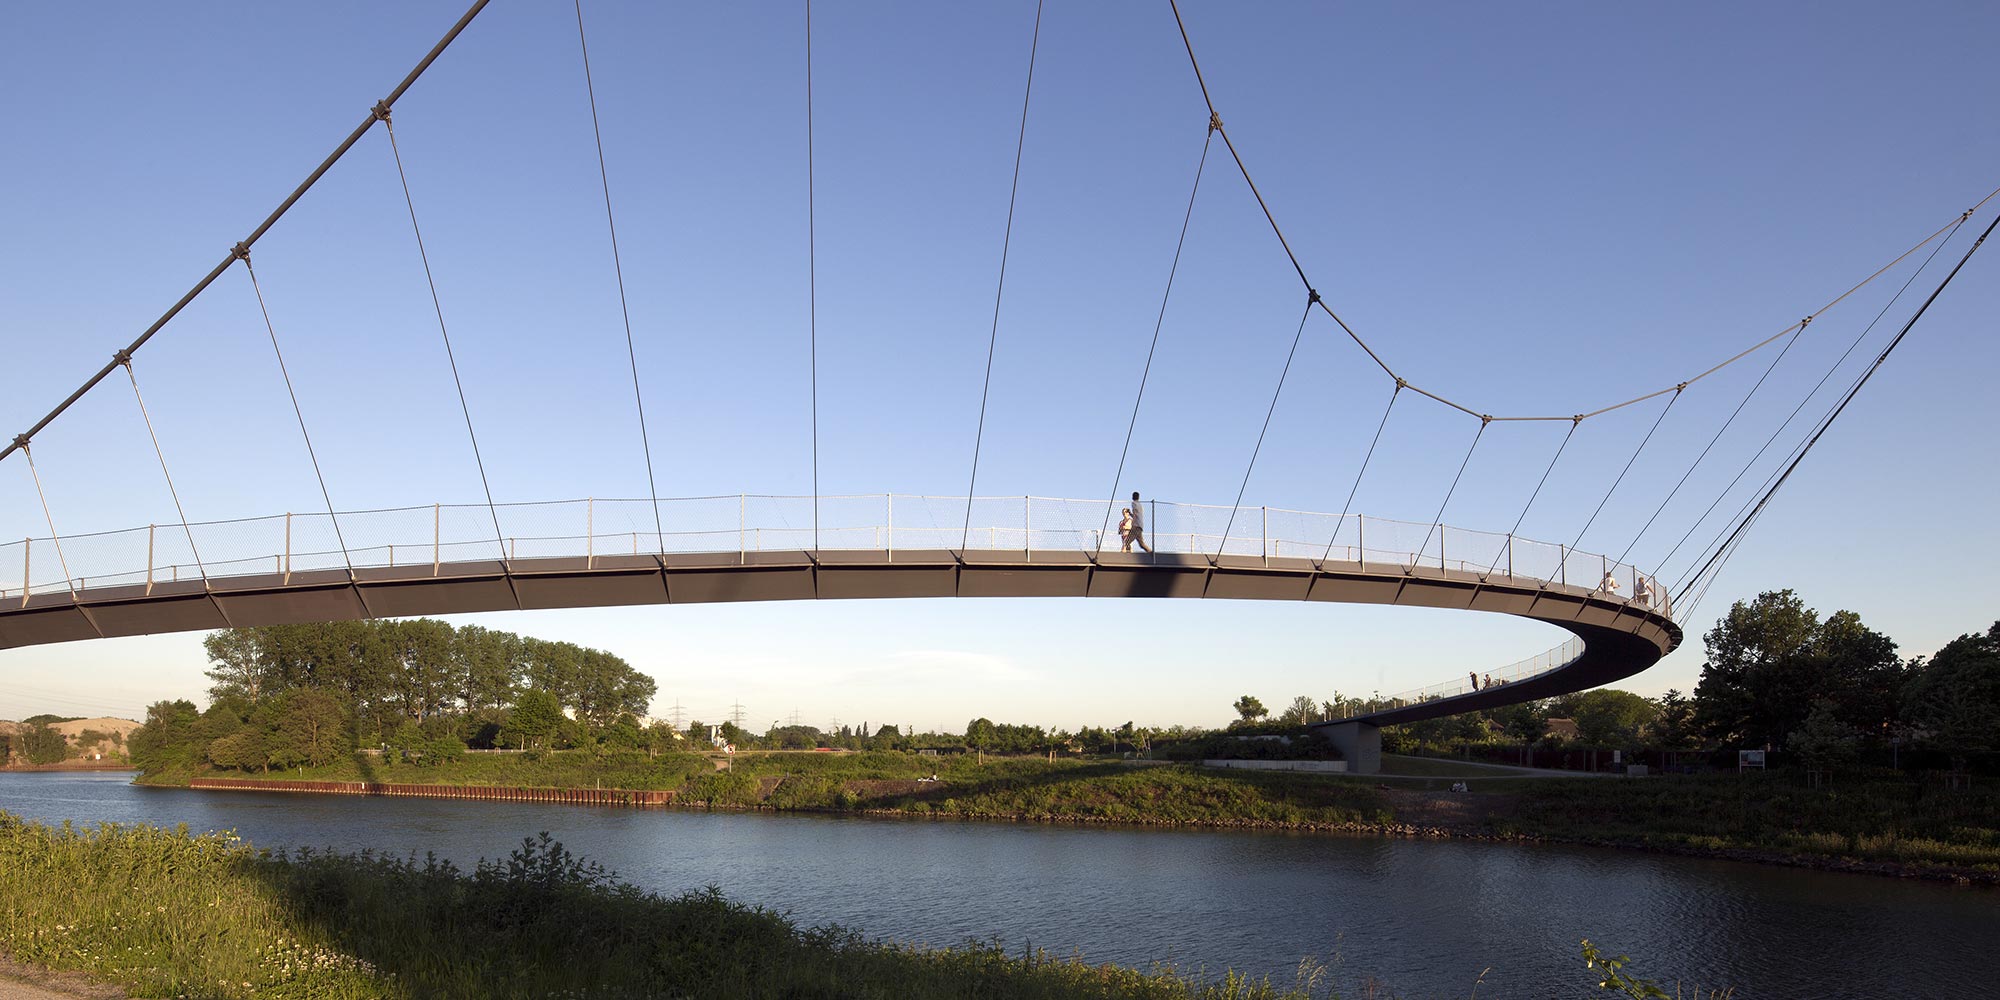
x=1360 y=743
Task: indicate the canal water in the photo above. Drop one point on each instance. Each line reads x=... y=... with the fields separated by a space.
x=1422 y=918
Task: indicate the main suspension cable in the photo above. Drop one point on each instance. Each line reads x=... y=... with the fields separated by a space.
x=1006 y=243
x=618 y=268
x=125 y=359
x=243 y=253
x=1715 y=561
x=262 y=228
x=1277 y=231
x=1436 y=522
x=1279 y=391
x=1769 y=441
x=498 y=539
x=1174 y=269
x=1356 y=488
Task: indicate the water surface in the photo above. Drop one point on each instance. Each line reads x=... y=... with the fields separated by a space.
x=1426 y=918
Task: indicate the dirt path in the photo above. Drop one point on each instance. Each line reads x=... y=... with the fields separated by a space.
x=26 y=982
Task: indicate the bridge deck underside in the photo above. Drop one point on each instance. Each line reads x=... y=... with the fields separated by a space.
x=1620 y=639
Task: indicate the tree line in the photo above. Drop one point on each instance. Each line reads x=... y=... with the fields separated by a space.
x=1777 y=676
x=286 y=695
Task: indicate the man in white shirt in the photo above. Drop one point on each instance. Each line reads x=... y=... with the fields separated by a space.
x=1139 y=523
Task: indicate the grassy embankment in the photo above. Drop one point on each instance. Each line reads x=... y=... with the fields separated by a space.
x=1880 y=819
x=168 y=914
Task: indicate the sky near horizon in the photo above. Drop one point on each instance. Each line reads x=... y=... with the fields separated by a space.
x=1540 y=209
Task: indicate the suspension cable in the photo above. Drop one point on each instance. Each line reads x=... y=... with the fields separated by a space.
x=27 y=585
x=1279 y=391
x=812 y=296
x=1271 y=218
x=125 y=359
x=1773 y=439
x=1006 y=242
x=243 y=253
x=390 y=127
x=1144 y=373
x=262 y=228
x=1715 y=561
x=1664 y=410
x=618 y=268
x=1538 y=490
x=1356 y=488
x=1436 y=522
x=1698 y=459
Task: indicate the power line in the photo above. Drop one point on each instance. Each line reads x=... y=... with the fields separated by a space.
x=1006 y=243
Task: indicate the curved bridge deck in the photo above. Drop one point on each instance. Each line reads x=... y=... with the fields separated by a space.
x=1620 y=636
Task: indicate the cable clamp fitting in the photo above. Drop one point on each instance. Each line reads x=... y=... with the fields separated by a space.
x=241 y=251
x=1485 y=418
x=380 y=111
x=1312 y=296
x=21 y=442
x=1215 y=125
x=1401 y=383
x=1575 y=420
x=123 y=357
x=1805 y=322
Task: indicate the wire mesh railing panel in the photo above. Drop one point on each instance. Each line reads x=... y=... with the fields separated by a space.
x=433 y=535
x=1480 y=552
x=1479 y=680
x=13 y=579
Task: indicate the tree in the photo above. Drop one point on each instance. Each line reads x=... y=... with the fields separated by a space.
x=1823 y=742
x=1954 y=700
x=535 y=717
x=1769 y=659
x=43 y=745
x=311 y=726
x=1526 y=722
x=1612 y=719
x=980 y=734
x=1673 y=727
x=167 y=740
x=1303 y=712
x=1249 y=708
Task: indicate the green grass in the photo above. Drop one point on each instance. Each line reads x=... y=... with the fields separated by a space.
x=1880 y=818
x=565 y=769
x=1434 y=767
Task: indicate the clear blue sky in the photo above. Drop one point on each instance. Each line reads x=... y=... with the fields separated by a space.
x=1529 y=209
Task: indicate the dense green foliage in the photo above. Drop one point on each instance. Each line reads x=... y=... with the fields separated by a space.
x=1878 y=816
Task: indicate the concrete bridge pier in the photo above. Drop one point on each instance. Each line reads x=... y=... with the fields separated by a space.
x=1359 y=742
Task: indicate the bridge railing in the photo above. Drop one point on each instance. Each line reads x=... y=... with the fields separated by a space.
x=438 y=534
x=1471 y=681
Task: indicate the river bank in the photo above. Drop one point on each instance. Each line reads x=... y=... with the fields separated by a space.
x=1879 y=827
